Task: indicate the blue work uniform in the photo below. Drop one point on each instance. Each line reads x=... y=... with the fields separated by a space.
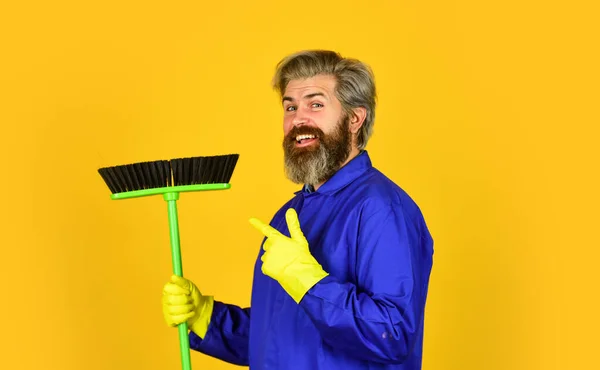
x=371 y=238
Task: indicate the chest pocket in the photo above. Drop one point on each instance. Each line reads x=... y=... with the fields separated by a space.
x=332 y=241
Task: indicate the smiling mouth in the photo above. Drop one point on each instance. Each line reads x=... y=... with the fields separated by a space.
x=303 y=140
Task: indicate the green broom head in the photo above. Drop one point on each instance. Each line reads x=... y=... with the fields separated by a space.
x=169 y=176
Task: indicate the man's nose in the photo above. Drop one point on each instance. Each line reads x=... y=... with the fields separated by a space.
x=300 y=118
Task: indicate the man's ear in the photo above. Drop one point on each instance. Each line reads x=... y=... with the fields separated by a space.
x=357 y=118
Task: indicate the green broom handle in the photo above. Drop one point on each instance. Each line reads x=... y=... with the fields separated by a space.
x=184 y=344
x=171 y=196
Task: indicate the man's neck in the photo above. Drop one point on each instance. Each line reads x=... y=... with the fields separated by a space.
x=353 y=153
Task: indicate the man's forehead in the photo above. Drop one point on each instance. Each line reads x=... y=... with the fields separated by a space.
x=308 y=88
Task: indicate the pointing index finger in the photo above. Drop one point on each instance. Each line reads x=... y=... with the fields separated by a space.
x=267 y=230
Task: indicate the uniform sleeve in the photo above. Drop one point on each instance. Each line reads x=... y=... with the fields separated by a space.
x=227 y=334
x=379 y=317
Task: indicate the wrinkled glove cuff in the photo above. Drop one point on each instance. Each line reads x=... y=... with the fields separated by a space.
x=297 y=286
x=200 y=326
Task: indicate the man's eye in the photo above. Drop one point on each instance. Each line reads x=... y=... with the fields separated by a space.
x=290 y=108
x=317 y=105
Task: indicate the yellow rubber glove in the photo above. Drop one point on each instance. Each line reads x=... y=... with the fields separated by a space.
x=288 y=260
x=183 y=302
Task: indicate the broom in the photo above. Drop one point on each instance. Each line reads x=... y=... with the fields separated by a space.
x=169 y=178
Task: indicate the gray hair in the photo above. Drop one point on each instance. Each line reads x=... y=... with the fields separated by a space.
x=355 y=85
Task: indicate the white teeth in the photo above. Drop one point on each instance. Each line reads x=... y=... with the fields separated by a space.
x=302 y=137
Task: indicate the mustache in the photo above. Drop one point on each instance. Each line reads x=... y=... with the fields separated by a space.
x=304 y=130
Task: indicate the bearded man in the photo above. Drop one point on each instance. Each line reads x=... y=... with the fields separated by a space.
x=342 y=276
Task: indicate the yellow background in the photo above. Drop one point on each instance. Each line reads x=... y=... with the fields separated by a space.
x=488 y=117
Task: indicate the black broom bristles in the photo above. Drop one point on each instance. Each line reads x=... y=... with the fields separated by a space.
x=179 y=171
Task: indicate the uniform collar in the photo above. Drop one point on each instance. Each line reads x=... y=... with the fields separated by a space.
x=344 y=176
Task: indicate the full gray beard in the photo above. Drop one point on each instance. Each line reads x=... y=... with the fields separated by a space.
x=313 y=168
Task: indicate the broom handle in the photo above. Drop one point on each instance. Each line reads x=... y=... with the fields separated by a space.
x=184 y=344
